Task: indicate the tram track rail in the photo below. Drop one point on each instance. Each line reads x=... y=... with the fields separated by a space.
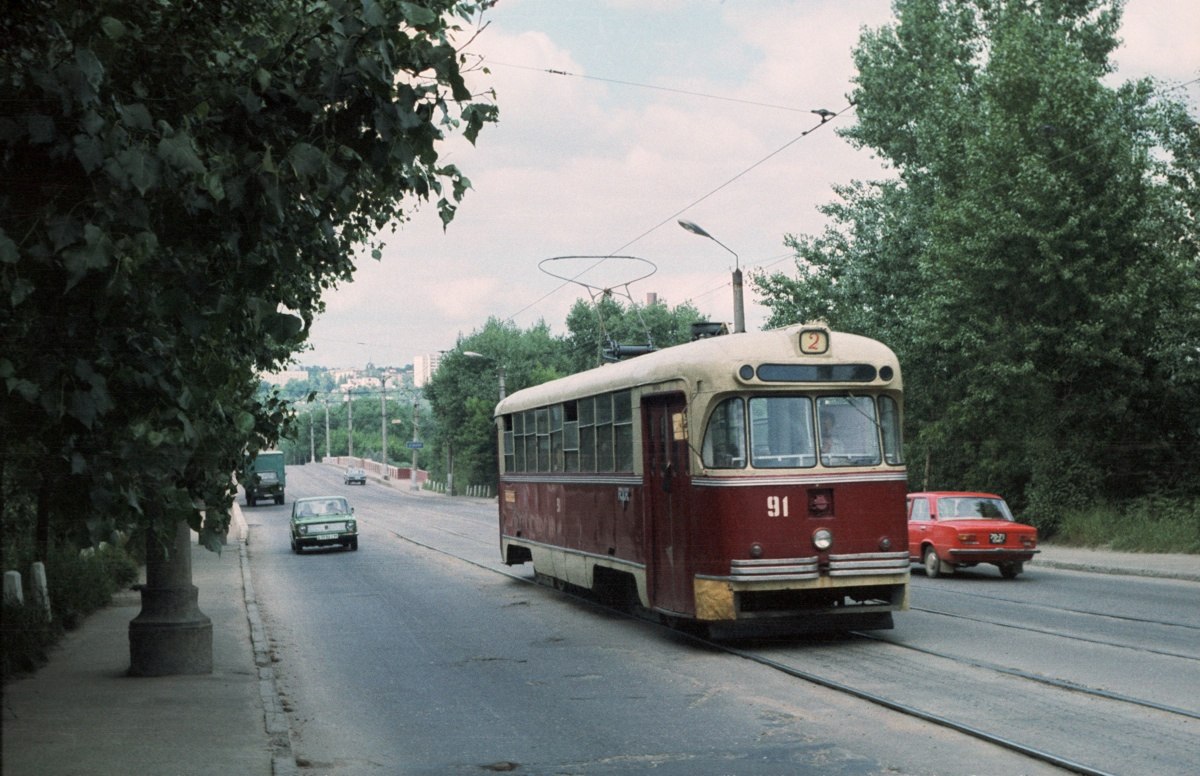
x=976 y=596
x=1048 y=632
x=958 y=722
x=1061 y=684
x=876 y=699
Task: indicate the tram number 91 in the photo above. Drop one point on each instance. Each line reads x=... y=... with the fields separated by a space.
x=777 y=506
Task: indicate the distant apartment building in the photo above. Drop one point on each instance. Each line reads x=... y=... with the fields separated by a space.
x=423 y=368
x=283 y=378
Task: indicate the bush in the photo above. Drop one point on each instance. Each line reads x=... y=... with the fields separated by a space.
x=1150 y=524
x=24 y=638
x=79 y=584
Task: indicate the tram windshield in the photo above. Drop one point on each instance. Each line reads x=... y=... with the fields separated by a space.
x=798 y=431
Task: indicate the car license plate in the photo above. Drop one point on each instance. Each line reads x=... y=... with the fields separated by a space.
x=997 y=538
x=326 y=537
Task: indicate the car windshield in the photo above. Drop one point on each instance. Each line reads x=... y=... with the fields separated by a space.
x=332 y=506
x=973 y=508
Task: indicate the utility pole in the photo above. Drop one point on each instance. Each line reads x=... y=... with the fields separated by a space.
x=416 y=440
x=325 y=401
x=312 y=439
x=349 y=423
x=383 y=423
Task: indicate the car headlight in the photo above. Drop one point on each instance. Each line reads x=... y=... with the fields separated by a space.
x=303 y=529
x=822 y=538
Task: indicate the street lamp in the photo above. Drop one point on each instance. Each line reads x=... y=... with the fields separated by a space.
x=739 y=315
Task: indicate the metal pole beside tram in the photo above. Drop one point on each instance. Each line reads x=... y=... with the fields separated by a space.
x=739 y=314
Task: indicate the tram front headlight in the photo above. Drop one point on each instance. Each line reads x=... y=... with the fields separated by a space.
x=822 y=538
x=885 y=543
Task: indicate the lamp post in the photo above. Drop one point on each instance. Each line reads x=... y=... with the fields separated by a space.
x=325 y=401
x=739 y=315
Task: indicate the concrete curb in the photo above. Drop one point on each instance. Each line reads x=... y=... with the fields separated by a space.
x=275 y=718
x=1127 y=571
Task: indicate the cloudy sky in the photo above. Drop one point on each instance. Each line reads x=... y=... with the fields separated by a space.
x=658 y=110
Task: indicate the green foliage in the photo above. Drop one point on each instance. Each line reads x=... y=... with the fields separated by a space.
x=183 y=181
x=1150 y=524
x=78 y=584
x=465 y=389
x=1035 y=262
x=594 y=326
x=25 y=638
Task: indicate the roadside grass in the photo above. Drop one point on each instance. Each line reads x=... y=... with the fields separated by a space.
x=79 y=584
x=1152 y=524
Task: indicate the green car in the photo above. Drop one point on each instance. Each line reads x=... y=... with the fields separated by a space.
x=323 y=521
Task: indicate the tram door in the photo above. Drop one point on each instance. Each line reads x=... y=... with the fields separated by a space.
x=667 y=497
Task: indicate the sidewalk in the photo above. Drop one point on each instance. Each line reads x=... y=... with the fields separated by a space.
x=81 y=714
x=1138 y=564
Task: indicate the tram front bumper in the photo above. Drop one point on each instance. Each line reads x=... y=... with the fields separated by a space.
x=725 y=599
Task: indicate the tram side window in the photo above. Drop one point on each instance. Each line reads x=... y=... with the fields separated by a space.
x=543 y=439
x=557 y=462
x=520 y=429
x=889 y=426
x=509 y=454
x=725 y=437
x=781 y=432
x=604 y=433
x=587 y=435
x=570 y=437
x=848 y=431
x=623 y=431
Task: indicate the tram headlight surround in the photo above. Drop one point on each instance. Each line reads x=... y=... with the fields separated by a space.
x=885 y=543
x=822 y=538
x=756 y=550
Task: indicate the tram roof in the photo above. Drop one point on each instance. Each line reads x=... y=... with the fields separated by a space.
x=714 y=360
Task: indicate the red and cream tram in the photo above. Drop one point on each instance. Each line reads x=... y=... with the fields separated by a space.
x=746 y=477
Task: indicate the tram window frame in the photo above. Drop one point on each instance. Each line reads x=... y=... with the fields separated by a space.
x=507 y=434
x=784 y=435
x=570 y=437
x=623 y=431
x=605 y=450
x=890 y=429
x=587 y=434
x=543 y=439
x=520 y=442
x=731 y=425
x=557 y=462
x=845 y=444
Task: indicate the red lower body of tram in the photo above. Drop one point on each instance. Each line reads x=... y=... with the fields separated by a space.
x=815 y=552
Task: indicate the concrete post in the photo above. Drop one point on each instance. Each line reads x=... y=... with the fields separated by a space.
x=13 y=594
x=41 y=591
x=170 y=636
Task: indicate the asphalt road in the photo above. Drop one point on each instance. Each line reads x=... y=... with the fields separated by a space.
x=414 y=655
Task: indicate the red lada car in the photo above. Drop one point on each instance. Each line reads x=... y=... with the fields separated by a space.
x=951 y=529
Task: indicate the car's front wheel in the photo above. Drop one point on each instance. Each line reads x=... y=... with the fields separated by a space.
x=933 y=564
